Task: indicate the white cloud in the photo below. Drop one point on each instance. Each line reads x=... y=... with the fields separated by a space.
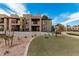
x=18 y=8
x=60 y=18
x=71 y=18
x=74 y=15
x=4 y=12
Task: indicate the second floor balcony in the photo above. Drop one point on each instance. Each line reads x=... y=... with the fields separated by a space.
x=1 y=20
x=15 y=21
x=1 y=27
x=35 y=23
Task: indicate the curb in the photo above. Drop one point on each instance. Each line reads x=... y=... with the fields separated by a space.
x=27 y=46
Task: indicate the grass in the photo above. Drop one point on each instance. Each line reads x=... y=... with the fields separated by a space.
x=54 y=46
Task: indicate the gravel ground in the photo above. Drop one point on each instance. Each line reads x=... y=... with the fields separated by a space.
x=17 y=49
x=19 y=43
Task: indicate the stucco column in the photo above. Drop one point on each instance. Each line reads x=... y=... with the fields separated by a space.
x=21 y=24
x=10 y=24
x=40 y=24
x=5 y=24
x=30 y=22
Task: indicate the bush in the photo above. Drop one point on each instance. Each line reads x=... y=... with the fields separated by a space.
x=35 y=35
x=32 y=36
x=25 y=37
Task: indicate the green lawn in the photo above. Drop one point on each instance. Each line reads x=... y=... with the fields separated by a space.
x=54 y=46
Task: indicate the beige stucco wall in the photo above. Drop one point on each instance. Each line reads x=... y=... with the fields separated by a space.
x=27 y=18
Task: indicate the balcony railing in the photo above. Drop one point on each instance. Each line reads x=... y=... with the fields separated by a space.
x=35 y=23
x=15 y=22
x=1 y=21
x=1 y=28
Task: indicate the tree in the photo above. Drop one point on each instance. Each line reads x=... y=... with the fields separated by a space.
x=44 y=17
x=8 y=39
x=53 y=28
x=5 y=38
x=11 y=38
x=59 y=28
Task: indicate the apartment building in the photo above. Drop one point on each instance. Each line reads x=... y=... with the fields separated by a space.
x=32 y=23
x=25 y=23
x=73 y=28
x=3 y=22
x=46 y=25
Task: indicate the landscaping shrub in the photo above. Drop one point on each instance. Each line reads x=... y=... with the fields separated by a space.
x=25 y=37
x=35 y=35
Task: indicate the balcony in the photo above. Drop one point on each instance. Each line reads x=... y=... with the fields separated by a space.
x=35 y=23
x=1 y=20
x=15 y=28
x=15 y=22
x=1 y=27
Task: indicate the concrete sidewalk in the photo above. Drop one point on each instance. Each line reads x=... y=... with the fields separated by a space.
x=27 y=46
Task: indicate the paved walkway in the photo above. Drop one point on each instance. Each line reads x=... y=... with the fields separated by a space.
x=27 y=46
x=64 y=33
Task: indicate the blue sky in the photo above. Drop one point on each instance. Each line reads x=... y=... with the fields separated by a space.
x=64 y=13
